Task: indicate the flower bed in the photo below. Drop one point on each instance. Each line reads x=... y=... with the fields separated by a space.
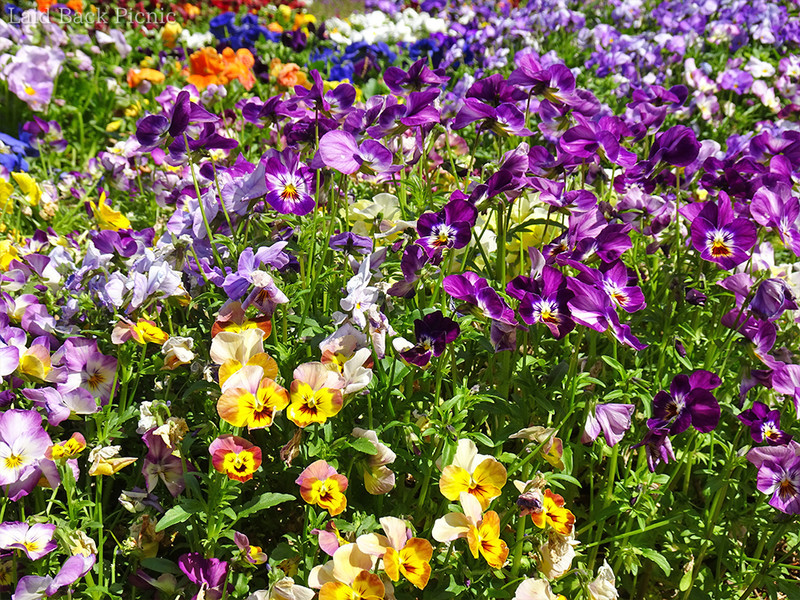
x=399 y=300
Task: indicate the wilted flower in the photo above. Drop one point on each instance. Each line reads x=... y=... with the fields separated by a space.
x=287 y=589
x=378 y=478
x=177 y=351
x=252 y=554
x=604 y=585
x=557 y=554
x=612 y=420
x=536 y=589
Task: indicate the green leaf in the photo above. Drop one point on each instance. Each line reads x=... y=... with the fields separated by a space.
x=161 y=565
x=363 y=445
x=264 y=501
x=175 y=515
x=659 y=559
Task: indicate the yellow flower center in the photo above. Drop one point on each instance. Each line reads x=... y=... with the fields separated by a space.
x=290 y=192
x=13 y=461
x=30 y=91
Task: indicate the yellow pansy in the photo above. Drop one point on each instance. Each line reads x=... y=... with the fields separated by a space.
x=29 y=187
x=8 y=252
x=480 y=476
x=107 y=217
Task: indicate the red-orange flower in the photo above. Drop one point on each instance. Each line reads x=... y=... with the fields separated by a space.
x=208 y=66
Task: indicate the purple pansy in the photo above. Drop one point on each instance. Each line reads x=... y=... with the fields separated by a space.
x=720 y=237
x=417 y=78
x=547 y=302
x=476 y=292
x=152 y=130
x=617 y=281
x=772 y=298
x=786 y=380
x=433 y=332
x=688 y=402
x=505 y=120
x=451 y=227
x=764 y=424
x=290 y=184
x=779 y=475
x=35 y=587
x=208 y=573
x=777 y=208
x=592 y=307
x=59 y=406
x=339 y=150
x=658 y=448
x=23 y=444
x=35 y=541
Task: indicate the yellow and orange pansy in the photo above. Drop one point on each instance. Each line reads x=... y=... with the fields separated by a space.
x=481 y=476
x=554 y=514
x=250 y=399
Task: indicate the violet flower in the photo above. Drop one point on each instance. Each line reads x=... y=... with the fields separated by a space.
x=208 y=573
x=658 y=448
x=772 y=298
x=290 y=184
x=556 y=83
x=417 y=78
x=152 y=130
x=548 y=303
x=617 y=281
x=720 y=237
x=339 y=150
x=779 y=475
x=350 y=242
x=161 y=463
x=677 y=146
x=764 y=424
x=87 y=368
x=762 y=336
x=689 y=402
x=504 y=120
x=612 y=420
x=777 y=208
x=786 y=380
x=451 y=227
x=593 y=307
x=59 y=406
x=475 y=291
x=35 y=541
x=23 y=444
x=433 y=332
x=35 y=587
